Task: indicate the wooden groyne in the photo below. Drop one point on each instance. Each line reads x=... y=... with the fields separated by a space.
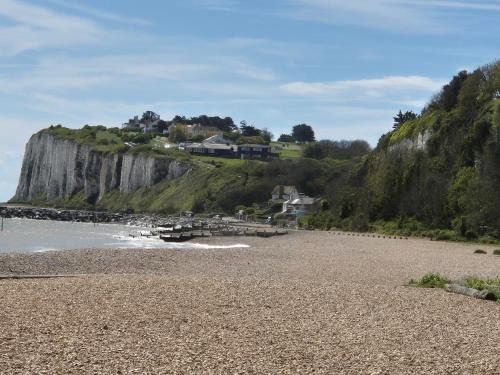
x=181 y=233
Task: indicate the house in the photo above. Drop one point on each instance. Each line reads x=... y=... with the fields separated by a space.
x=211 y=149
x=217 y=139
x=284 y=193
x=299 y=206
x=132 y=124
x=216 y=145
x=255 y=151
x=150 y=122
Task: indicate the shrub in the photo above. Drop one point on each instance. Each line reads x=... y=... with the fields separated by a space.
x=479 y=251
x=432 y=280
x=491 y=285
x=496 y=252
x=475 y=283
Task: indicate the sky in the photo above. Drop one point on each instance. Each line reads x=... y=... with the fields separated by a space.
x=344 y=67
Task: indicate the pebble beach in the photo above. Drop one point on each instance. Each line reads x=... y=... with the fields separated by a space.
x=308 y=302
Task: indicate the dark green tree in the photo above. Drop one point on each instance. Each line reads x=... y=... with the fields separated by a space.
x=303 y=133
x=287 y=138
x=401 y=118
x=249 y=130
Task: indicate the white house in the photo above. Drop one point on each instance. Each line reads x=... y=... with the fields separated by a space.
x=299 y=206
x=284 y=193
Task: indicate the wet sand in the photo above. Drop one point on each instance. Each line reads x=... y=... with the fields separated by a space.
x=311 y=302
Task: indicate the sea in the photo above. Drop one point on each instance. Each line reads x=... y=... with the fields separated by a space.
x=26 y=235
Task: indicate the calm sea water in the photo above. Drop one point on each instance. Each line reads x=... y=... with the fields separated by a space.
x=43 y=235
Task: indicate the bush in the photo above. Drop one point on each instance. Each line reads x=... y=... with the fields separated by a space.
x=431 y=280
x=475 y=283
x=479 y=251
x=496 y=252
x=491 y=285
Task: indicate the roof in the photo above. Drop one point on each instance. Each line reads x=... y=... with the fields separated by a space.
x=216 y=139
x=304 y=200
x=254 y=145
x=212 y=146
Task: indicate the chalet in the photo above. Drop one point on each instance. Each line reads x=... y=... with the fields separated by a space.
x=216 y=145
x=299 y=206
x=254 y=151
x=283 y=193
x=211 y=149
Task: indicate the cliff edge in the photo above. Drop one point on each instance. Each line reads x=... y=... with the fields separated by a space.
x=57 y=168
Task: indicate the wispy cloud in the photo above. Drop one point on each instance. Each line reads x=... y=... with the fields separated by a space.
x=406 y=16
x=94 y=12
x=219 y=5
x=36 y=27
x=365 y=88
x=473 y=5
x=381 y=14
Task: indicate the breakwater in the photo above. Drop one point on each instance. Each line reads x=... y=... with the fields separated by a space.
x=36 y=213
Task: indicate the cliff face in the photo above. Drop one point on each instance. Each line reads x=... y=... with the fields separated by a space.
x=140 y=170
x=58 y=168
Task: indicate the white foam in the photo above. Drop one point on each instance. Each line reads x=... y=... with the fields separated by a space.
x=43 y=250
x=206 y=246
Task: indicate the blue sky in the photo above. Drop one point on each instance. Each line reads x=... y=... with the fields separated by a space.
x=344 y=67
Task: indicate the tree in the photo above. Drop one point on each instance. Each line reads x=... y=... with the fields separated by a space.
x=450 y=92
x=401 y=118
x=177 y=133
x=249 y=130
x=150 y=116
x=267 y=135
x=303 y=133
x=341 y=150
x=287 y=138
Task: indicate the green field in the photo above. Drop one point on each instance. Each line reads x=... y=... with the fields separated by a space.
x=287 y=150
x=222 y=161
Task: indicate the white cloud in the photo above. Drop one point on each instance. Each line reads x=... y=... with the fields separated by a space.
x=94 y=12
x=131 y=72
x=219 y=5
x=382 y=14
x=36 y=27
x=455 y=4
x=377 y=88
x=406 y=16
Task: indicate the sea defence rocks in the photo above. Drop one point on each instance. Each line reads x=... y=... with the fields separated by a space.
x=62 y=215
x=55 y=168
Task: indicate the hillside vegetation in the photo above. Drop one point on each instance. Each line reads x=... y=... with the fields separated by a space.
x=437 y=174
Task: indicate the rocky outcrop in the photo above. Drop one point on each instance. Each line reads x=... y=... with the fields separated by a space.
x=58 y=168
x=412 y=144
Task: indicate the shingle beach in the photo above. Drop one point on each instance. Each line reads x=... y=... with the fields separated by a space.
x=308 y=302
